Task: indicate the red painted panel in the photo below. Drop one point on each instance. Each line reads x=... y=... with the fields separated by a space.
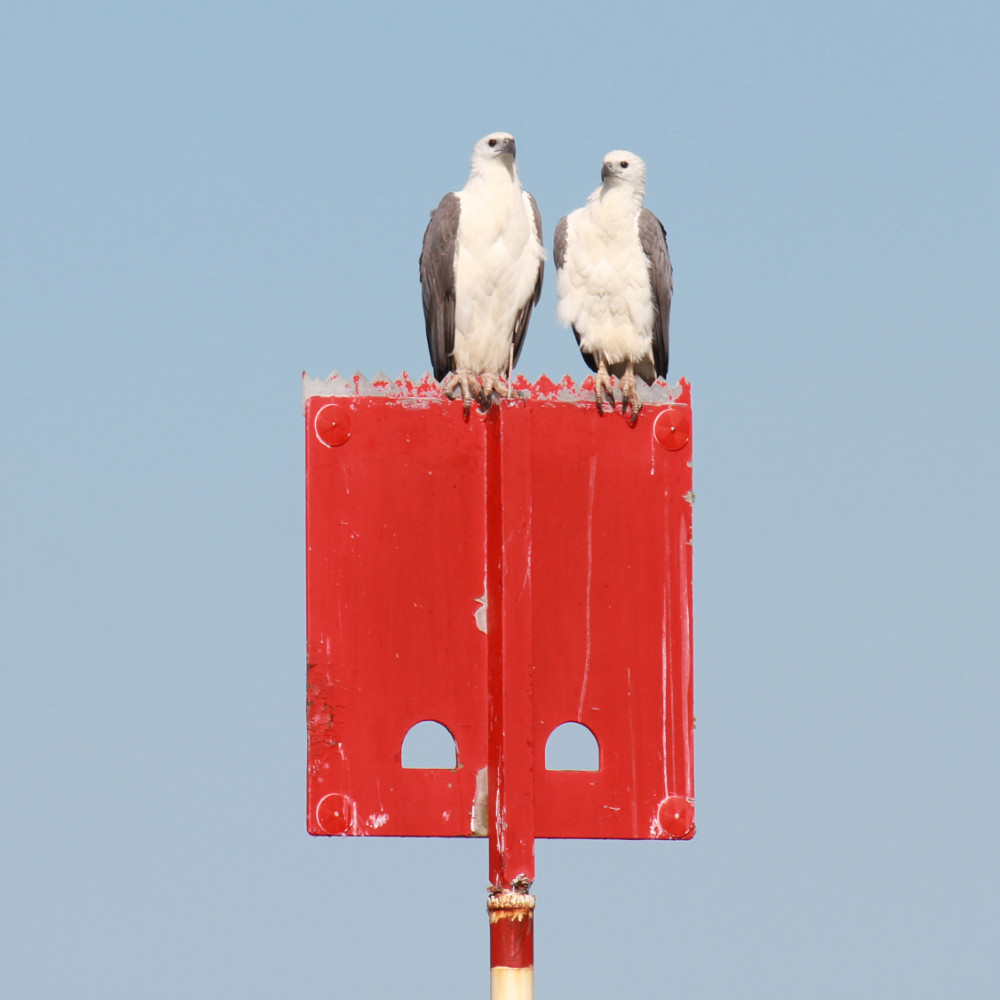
x=611 y=571
x=579 y=523
x=395 y=539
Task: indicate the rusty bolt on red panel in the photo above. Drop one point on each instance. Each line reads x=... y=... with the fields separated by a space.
x=333 y=425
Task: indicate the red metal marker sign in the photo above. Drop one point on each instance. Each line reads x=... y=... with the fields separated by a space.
x=501 y=575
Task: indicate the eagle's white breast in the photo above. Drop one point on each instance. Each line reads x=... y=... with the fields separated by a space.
x=496 y=268
x=604 y=286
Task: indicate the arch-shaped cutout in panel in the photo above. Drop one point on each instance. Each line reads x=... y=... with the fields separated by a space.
x=430 y=745
x=572 y=747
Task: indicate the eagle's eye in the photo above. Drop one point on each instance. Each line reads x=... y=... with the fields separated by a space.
x=623 y=164
x=493 y=142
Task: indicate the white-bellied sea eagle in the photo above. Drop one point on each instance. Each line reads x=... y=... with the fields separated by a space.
x=481 y=272
x=615 y=281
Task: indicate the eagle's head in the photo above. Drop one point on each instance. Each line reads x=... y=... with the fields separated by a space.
x=495 y=146
x=622 y=167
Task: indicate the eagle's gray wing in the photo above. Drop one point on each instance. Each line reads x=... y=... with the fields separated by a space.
x=653 y=238
x=559 y=255
x=524 y=313
x=559 y=244
x=437 y=276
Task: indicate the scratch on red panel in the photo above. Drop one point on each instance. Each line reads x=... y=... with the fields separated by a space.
x=686 y=675
x=590 y=575
x=631 y=740
x=663 y=664
x=500 y=818
x=378 y=819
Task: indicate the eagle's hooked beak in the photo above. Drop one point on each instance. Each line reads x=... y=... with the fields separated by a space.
x=606 y=171
x=507 y=146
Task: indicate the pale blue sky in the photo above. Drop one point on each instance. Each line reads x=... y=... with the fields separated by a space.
x=200 y=200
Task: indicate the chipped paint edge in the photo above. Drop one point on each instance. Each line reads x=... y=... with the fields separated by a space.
x=480 y=825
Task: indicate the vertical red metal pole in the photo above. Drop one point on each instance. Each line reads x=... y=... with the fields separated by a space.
x=511 y=761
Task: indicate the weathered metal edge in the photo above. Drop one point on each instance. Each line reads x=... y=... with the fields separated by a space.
x=425 y=387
